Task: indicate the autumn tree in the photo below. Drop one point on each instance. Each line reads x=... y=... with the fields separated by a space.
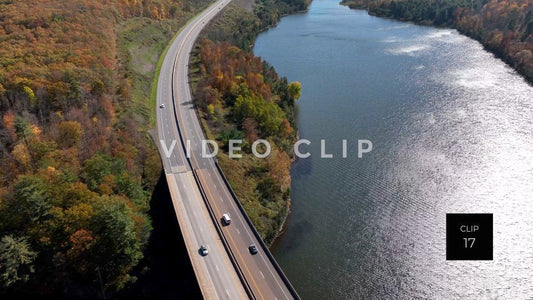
x=74 y=138
x=241 y=97
x=295 y=90
x=249 y=126
x=16 y=260
x=78 y=254
x=70 y=133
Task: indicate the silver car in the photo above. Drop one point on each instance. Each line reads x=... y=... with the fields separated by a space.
x=203 y=250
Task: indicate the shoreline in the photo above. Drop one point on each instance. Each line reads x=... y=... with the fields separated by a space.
x=498 y=53
x=281 y=230
x=284 y=220
x=277 y=231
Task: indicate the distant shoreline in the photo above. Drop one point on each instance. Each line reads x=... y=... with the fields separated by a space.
x=484 y=37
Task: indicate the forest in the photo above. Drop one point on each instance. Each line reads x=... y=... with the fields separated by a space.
x=243 y=20
x=504 y=27
x=240 y=96
x=77 y=165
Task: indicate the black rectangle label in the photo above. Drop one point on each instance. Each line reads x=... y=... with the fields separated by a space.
x=469 y=237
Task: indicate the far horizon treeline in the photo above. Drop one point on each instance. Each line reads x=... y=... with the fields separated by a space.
x=504 y=27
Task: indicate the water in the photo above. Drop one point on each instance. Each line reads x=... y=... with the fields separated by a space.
x=452 y=131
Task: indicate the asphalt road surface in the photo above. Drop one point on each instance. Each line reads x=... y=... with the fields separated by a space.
x=178 y=121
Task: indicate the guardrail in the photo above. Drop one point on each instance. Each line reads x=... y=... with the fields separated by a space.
x=247 y=219
x=233 y=260
x=243 y=212
x=223 y=238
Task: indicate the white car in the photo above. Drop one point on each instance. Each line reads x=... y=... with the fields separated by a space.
x=162 y=105
x=226 y=220
x=203 y=250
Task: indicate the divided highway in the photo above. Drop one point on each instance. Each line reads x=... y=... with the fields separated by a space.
x=200 y=193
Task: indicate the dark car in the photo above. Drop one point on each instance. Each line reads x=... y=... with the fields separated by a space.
x=253 y=249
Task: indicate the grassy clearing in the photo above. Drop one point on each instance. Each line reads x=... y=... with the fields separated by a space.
x=143 y=43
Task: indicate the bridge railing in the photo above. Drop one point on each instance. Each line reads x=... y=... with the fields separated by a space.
x=261 y=242
x=247 y=219
x=245 y=282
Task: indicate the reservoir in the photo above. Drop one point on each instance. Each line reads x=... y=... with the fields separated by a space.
x=452 y=132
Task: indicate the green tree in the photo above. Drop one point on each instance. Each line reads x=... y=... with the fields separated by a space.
x=16 y=260
x=270 y=118
x=98 y=166
x=129 y=186
x=22 y=128
x=268 y=189
x=267 y=114
x=233 y=134
x=30 y=201
x=115 y=250
x=74 y=91
x=295 y=90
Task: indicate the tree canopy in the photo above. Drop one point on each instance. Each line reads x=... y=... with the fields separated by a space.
x=77 y=164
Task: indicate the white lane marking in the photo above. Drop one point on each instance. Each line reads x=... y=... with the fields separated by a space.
x=233 y=205
x=216 y=267
x=195 y=130
x=227 y=292
x=238 y=231
x=195 y=126
x=262 y=274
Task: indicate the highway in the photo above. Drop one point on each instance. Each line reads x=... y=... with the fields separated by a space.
x=195 y=177
x=215 y=273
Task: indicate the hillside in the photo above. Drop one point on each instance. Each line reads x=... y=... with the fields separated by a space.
x=240 y=96
x=77 y=165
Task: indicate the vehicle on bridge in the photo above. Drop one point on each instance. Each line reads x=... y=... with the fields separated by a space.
x=203 y=250
x=253 y=249
x=226 y=220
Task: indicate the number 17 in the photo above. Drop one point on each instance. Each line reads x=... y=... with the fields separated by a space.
x=469 y=242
